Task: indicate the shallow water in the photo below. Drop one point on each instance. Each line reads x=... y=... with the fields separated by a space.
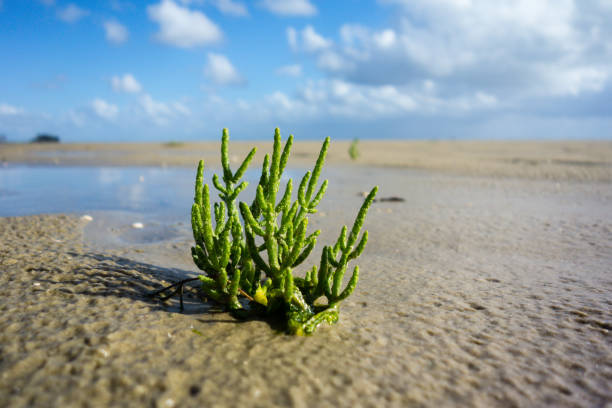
x=27 y=190
x=160 y=192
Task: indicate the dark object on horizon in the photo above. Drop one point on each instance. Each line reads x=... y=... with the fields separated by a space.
x=45 y=138
x=391 y=199
x=2 y=138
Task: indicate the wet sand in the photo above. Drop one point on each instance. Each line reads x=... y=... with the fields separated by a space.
x=478 y=290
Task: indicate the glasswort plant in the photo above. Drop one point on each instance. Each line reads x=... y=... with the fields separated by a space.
x=353 y=150
x=254 y=258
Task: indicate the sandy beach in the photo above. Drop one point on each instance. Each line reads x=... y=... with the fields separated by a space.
x=490 y=285
x=557 y=160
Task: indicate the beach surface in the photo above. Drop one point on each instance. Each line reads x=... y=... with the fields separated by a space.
x=559 y=160
x=489 y=285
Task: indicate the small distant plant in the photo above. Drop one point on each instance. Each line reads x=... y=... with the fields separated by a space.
x=173 y=143
x=353 y=150
x=254 y=259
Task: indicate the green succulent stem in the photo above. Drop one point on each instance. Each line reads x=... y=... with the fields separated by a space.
x=251 y=250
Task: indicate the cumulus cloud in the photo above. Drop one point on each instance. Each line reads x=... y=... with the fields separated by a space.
x=385 y=39
x=162 y=113
x=72 y=13
x=292 y=38
x=232 y=8
x=220 y=70
x=290 y=7
x=290 y=70
x=574 y=81
x=229 y=7
x=183 y=27
x=333 y=62
x=119 y=5
x=104 y=109
x=313 y=41
x=307 y=40
x=115 y=32
x=76 y=117
x=346 y=101
x=9 y=110
x=474 y=54
x=126 y=83
x=181 y=108
x=154 y=108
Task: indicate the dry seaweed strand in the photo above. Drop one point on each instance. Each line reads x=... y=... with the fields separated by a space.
x=235 y=265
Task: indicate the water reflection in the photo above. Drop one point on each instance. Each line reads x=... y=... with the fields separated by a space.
x=165 y=191
x=109 y=175
x=26 y=190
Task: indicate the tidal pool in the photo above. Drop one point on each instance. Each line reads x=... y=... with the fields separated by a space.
x=129 y=205
x=27 y=190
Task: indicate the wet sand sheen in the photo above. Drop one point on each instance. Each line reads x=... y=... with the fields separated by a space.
x=475 y=291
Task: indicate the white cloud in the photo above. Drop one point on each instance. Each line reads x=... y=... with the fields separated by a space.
x=525 y=47
x=231 y=7
x=104 y=109
x=126 y=83
x=292 y=38
x=161 y=113
x=72 y=13
x=181 y=108
x=577 y=80
x=307 y=40
x=485 y=99
x=119 y=5
x=350 y=103
x=220 y=70
x=290 y=70
x=153 y=107
x=332 y=61
x=183 y=27
x=322 y=99
x=290 y=7
x=312 y=41
x=115 y=32
x=474 y=54
x=281 y=100
x=77 y=118
x=9 y=110
x=385 y=39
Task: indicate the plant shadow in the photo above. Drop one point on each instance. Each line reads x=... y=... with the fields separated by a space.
x=104 y=275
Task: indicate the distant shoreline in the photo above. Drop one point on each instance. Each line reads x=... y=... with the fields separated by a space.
x=556 y=160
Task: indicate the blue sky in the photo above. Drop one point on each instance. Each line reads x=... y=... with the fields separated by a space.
x=182 y=69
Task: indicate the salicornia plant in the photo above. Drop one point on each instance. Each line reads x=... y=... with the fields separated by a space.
x=252 y=249
x=353 y=150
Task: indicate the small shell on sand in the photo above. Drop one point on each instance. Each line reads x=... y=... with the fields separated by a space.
x=87 y=218
x=138 y=225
